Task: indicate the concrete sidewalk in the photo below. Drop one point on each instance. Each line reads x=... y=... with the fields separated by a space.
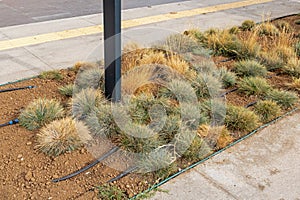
x=265 y=166
x=29 y=60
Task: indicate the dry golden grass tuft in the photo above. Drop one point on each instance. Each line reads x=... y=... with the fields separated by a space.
x=82 y=66
x=142 y=77
x=295 y=84
x=61 y=136
x=217 y=136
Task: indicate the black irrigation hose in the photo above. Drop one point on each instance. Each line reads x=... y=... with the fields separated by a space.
x=125 y=173
x=11 y=122
x=226 y=60
x=19 y=88
x=250 y=104
x=232 y=90
x=113 y=150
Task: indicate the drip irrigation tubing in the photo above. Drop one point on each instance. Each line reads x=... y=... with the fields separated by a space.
x=113 y=150
x=18 y=81
x=250 y=104
x=125 y=173
x=226 y=60
x=11 y=122
x=214 y=154
x=19 y=88
x=225 y=93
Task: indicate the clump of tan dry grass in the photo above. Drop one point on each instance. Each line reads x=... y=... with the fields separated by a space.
x=295 y=84
x=293 y=67
x=62 y=136
x=216 y=136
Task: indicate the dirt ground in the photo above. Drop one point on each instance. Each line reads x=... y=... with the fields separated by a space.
x=27 y=174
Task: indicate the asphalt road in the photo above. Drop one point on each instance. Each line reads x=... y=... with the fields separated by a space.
x=16 y=12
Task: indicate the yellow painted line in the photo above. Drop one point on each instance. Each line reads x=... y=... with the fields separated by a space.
x=49 y=37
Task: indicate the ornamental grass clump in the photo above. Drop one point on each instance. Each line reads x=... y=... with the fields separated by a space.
x=52 y=75
x=206 y=86
x=138 y=138
x=283 y=26
x=227 y=77
x=108 y=192
x=193 y=153
x=247 y=25
x=40 y=112
x=267 y=29
x=241 y=119
x=292 y=67
x=223 y=43
x=85 y=102
x=214 y=110
x=285 y=99
x=101 y=122
x=216 y=137
x=297 y=48
x=249 y=47
x=90 y=78
x=178 y=43
x=249 y=68
x=83 y=66
x=61 y=136
x=267 y=110
x=162 y=157
x=254 y=86
x=295 y=84
x=66 y=90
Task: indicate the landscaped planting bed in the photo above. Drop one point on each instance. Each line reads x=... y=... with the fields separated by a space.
x=184 y=98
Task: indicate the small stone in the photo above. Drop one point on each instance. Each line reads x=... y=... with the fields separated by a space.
x=82 y=151
x=28 y=176
x=55 y=176
x=20 y=156
x=29 y=143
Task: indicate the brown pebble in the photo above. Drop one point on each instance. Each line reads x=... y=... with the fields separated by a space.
x=28 y=176
x=28 y=143
x=55 y=176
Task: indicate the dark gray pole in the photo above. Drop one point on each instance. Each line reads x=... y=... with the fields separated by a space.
x=112 y=48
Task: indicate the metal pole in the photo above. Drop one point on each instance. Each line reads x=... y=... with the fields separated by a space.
x=112 y=49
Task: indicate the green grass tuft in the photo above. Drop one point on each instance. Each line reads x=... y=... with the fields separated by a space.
x=111 y=192
x=40 y=112
x=247 y=25
x=267 y=110
x=85 y=102
x=267 y=29
x=249 y=68
x=285 y=99
x=66 y=90
x=253 y=86
x=292 y=67
x=52 y=75
x=241 y=119
x=90 y=78
x=228 y=78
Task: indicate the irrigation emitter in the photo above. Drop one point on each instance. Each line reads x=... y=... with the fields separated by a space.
x=11 y=122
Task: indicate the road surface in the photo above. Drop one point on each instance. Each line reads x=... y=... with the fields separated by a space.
x=16 y=12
